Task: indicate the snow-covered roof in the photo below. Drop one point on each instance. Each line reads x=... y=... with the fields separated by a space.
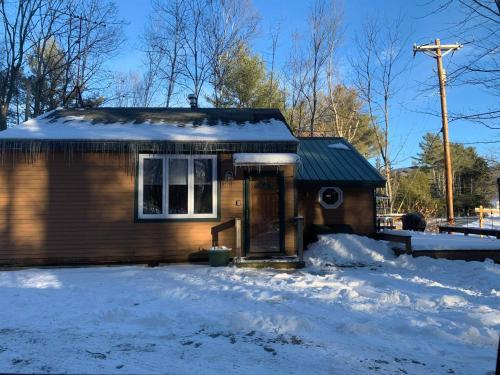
x=265 y=159
x=155 y=124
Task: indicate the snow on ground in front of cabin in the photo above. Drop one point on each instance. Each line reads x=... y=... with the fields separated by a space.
x=444 y=241
x=392 y=316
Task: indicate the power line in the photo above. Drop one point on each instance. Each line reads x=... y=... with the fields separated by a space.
x=478 y=142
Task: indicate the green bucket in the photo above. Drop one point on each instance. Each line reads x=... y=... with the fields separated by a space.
x=218 y=256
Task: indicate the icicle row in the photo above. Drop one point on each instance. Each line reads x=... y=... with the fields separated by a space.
x=32 y=151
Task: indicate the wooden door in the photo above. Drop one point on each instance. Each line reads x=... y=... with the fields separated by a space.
x=264 y=214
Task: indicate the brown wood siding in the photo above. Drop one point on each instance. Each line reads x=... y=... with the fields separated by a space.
x=290 y=209
x=357 y=209
x=56 y=211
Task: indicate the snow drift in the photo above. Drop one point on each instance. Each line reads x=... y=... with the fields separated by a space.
x=347 y=250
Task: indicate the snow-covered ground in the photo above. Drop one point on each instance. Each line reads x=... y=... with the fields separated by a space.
x=489 y=222
x=444 y=241
x=392 y=316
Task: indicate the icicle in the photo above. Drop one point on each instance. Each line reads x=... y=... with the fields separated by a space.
x=31 y=151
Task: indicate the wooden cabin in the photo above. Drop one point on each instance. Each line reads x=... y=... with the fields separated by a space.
x=336 y=188
x=151 y=185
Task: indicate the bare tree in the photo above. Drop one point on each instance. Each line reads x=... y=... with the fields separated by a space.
x=53 y=50
x=195 y=67
x=136 y=88
x=130 y=90
x=194 y=40
x=346 y=123
x=228 y=24
x=477 y=27
x=324 y=23
x=18 y=23
x=296 y=74
x=94 y=32
x=120 y=90
x=150 y=81
x=46 y=60
x=164 y=40
x=377 y=69
x=274 y=35
x=69 y=47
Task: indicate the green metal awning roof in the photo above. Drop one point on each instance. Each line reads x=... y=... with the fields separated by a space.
x=334 y=159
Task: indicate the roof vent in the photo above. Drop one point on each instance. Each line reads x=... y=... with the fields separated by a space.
x=193 y=100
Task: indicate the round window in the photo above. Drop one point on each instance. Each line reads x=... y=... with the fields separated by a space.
x=330 y=197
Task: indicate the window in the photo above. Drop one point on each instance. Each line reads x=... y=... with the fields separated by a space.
x=203 y=194
x=330 y=197
x=177 y=186
x=153 y=186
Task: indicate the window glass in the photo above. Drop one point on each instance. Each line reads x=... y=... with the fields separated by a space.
x=330 y=196
x=203 y=186
x=153 y=186
x=178 y=186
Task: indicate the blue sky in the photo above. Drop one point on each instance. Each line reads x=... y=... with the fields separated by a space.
x=408 y=125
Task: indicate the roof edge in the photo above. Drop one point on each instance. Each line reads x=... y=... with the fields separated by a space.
x=351 y=183
x=77 y=140
x=305 y=138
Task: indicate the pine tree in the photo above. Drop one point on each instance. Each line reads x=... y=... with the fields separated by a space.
x=471 y=176
x=246 y=83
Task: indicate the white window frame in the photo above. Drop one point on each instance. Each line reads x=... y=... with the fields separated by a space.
x=339 y=201
x=165 y=191
x=140 y=189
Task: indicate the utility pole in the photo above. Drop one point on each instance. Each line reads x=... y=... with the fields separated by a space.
x=438 y=50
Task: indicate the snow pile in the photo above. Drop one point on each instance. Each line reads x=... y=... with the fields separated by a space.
x=347 y=250
x=77 y=128
x=444 y=241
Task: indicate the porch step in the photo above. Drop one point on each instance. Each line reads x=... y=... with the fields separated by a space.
x=277 y=262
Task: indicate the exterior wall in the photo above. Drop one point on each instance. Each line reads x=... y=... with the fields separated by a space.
x=56 y=211
x=290 y=208
x=357 y=209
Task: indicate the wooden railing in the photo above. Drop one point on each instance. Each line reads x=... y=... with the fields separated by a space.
x=469 y=230
x=299 y=236
x=236 y=223
x=385 y=222
x=482 y=211
x=390 y=237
